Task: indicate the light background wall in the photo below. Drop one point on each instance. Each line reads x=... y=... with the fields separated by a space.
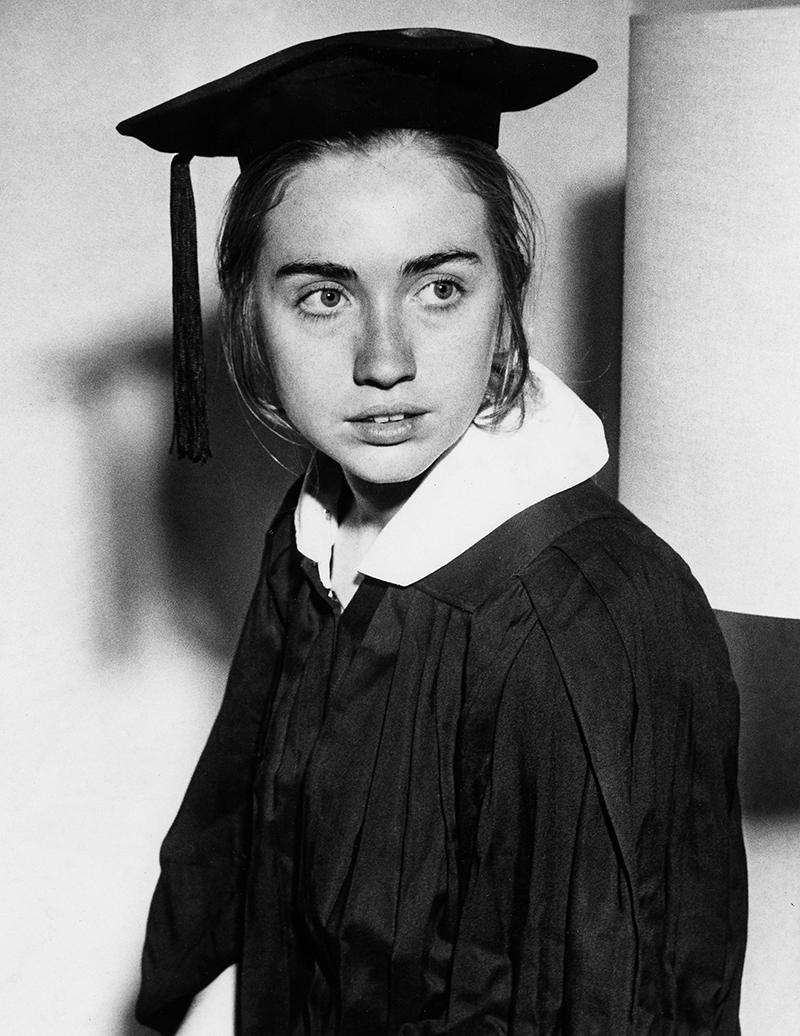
x=124 y=574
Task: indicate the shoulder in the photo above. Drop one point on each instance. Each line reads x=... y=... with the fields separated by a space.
x=633 y=639
x=567 y=536
x=612 y=555
x=607 y=584
x=610 y=565
x=590 y=573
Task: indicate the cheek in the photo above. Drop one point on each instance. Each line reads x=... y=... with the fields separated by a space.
x=285 y=355
x=299 y=391
x=459 y=361
x=478 y=350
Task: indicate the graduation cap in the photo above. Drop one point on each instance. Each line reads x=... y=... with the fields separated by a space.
x=430 y=79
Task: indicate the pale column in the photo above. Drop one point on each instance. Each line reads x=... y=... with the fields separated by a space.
x=710 y=437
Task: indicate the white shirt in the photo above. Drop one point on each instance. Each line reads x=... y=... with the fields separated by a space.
x=488 y=476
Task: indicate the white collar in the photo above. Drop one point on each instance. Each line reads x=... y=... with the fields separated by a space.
x=487 y=477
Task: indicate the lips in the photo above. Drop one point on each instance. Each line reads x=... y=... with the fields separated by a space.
x=383 y=414
x=385 y=418
x=384 y=427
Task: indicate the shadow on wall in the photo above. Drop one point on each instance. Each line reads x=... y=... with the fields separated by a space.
x=597 y=245
x=128 y=1026
x=181 y=539
x=216 y=514
x=765 y=654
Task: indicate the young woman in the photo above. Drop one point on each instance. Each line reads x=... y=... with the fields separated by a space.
x=475 y=769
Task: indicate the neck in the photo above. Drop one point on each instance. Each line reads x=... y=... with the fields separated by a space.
x=373 y=505
x=363 y=512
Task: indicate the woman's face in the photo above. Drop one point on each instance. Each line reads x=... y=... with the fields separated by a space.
x=379 y=300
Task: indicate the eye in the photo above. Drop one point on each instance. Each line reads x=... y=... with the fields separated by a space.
x=444 y=290
x=322 y=301
x=440 y=293
x=330 y=297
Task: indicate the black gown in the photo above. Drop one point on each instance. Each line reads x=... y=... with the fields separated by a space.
x=500 y=800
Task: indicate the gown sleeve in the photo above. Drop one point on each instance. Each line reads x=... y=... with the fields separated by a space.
x=607 y=888
x=194 y=927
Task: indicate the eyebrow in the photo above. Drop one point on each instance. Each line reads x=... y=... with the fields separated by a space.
x=414 y=267
x=317 y=268
x=424 y=263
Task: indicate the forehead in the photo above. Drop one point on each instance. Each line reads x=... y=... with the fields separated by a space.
x=395 y=198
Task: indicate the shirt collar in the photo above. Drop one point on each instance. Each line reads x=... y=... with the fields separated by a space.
x=487 y=477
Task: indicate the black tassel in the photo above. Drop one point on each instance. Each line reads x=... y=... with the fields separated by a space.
x=190 y=429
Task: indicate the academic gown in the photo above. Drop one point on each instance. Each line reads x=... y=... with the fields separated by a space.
x=501 y=799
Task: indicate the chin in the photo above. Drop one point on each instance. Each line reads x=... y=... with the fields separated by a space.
x=391 y=469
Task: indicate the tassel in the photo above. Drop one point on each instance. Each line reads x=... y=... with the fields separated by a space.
x=190 y=429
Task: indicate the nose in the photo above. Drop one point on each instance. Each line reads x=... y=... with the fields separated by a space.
x=384 y=354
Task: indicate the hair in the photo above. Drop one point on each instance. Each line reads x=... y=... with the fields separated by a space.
x=513 y=227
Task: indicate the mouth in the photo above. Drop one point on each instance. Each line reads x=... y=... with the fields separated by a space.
x=384 y=418
x=387 y=428
x=382 y=414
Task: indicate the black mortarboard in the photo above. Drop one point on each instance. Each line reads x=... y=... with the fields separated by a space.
x=433 y=79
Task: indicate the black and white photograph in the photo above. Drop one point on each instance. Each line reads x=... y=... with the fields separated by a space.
x=400 y=521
